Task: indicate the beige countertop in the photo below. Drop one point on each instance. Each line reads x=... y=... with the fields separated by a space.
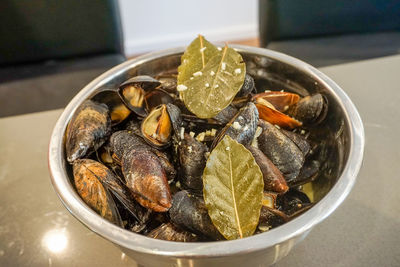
x=36 y=229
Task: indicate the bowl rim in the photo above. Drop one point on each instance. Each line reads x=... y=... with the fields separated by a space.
x=143 y=244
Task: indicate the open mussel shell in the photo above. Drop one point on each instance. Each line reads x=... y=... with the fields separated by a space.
x=88 y=130
x=293 y=202
x=171 y=232
x=310 y=110
x=270 y=218
x=268 y=113
x=242 y=126
x=192 y=161
x=247 y=87
x=88 y=176
x=133 y=91
x=282 y=151
x=175 y=116
x=189 y=212
x=280 y=100
x=156 y=128
x=157 y=97
x=117 y=109
x=273 y=178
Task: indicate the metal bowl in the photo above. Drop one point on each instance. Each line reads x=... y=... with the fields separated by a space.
x=272 y=69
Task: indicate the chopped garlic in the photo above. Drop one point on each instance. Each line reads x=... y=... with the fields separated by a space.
x=192 y=134
x=238 y=71
x=208 y=133
x=216 y=86
x=198 y=73
x=207 y=154
x=191 y=78
x=227 y=148
x=302 y=132
x=207 y=85
x=219 y=48
x=267 y=91
x=182 y=133
x=202 y=49
x=223 y=66
x=190 y=150
x=181 y=87
x=285 y=108
x=236 y=125
x=212 y=73
x=213 y=132
x=277 y=126
x=200 y=136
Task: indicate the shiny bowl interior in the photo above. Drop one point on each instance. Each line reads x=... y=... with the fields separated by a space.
x=273 y=71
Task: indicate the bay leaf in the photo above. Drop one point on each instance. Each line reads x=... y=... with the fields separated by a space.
x=233 y=189
x=196 y=55
x=214 y=87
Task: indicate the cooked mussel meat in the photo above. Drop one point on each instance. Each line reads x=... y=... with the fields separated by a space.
x=156 y=127
x=87 y=130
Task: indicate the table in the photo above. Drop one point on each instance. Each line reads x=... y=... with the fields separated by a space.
x=36 y=230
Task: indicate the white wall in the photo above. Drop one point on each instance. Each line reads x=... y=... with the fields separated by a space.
x=157 y=24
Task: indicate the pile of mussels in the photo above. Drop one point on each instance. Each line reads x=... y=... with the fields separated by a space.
x=138 y=155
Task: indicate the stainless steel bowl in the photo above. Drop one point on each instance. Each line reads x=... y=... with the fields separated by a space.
x=279 y=71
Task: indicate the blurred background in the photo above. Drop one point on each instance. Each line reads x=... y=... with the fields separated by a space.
x=51 y=49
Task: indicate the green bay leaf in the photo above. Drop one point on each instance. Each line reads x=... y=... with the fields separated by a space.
x=196 y=56
x=233 y=189
x=213 y=88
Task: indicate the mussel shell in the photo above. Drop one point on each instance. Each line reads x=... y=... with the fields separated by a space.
x=270 y=218
x=165 y=162
x=171 y=232
x=308 y=173
x=247 y=87
x=293 y=201
x=192 y=162
x=136 y=88
x=269 y=199
x=242 y=127
x=189 y=212
x=87 y=131
x=282 y=151
x=143 y=172
x=156 y=128
x=88 y=176
x=299 y=140
x=226 y=114
x=118 y=110
x=310 y=110
x=273 y=178
x=168 y=83
x=176 y=118
x=157 y=97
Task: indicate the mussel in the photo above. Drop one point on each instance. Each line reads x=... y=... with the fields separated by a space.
x=242 y=126
x=247 y=87
x=273 y=178
x=283 y=153
x=88 y=177
x=281 y=101
x=133 y=92
x=156 y=127
x=270 y=218
x=87 y=130
x=192 y=162
x=310 y=110
x=171 y=232
x=118 y=111
x=143 y=172
x=189 y=212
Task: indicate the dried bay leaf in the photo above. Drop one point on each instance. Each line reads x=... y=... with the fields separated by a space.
x=214 y=87
x=233 y=189
x=197 y=54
